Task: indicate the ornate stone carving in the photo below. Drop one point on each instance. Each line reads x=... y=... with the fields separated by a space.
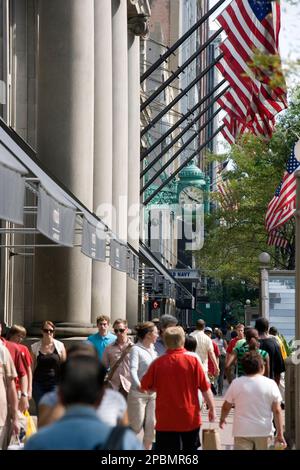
x=139 y=25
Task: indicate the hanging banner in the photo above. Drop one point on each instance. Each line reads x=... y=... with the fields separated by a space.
x=55 y=219
x=12 y=193
x=133 y=266
x=93 y=241
x=118 y=256
x=12 y=187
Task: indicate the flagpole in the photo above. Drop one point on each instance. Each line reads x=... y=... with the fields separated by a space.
x=176 y=154
x=180 y=69
x=182 y=133
x=157 y=142
x=264 y=259
x=178 y=43
x=172 y=176
x=297 y=311
x=181 y=95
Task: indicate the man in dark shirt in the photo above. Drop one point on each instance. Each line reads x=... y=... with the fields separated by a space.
x=269 y=343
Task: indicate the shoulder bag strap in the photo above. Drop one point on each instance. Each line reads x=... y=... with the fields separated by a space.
x=118 y=362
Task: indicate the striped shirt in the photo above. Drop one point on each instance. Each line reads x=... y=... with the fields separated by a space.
x=240 y=352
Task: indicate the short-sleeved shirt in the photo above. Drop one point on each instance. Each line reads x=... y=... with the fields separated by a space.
x=211 y=367
x=100 y=342
x=204 y=347
x=7 y=371
x=271 y=346
x=240 y=351
x=112 y=407
x=232 y=344
x=253 y=397
x=18 y=359
x=176 y=378
x=282 y=348
x=26 y=354
x=110 y=357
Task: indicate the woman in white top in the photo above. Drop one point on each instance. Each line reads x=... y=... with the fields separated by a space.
x=47 y=355
x=256 y=401
x=141 y=406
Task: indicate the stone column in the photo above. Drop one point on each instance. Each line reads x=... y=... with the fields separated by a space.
x=101 y=284
x=133 y=165
x=65 y=146
x=120 y=147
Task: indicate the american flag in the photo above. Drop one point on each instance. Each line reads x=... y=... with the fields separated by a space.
x=282 y=206
x=227 y=199
x=276 y=238
x=257 y=97
x=232 y=129
x=252 y=27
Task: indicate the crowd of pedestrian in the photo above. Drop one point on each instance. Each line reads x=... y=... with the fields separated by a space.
x=116 y=392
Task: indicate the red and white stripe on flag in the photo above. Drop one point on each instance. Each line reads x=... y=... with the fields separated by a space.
x=283 y=204
x=276 y=238
x=252 y=27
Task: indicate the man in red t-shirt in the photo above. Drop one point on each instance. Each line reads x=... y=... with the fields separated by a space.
x=19 y=362
x=16 y=334
x=240 y=335
x=176 y=378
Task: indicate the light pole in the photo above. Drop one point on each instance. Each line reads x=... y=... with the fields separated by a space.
x=264 y=259
x=246 y=310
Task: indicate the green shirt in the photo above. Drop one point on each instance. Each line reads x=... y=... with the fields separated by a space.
x=240 y=351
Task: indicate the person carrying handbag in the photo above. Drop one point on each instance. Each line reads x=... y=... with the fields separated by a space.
x=116 y=359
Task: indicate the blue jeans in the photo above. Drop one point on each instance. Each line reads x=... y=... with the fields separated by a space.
x=38 y=390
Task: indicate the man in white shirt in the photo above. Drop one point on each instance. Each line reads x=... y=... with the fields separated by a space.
x=256 y=400
x=205 y=347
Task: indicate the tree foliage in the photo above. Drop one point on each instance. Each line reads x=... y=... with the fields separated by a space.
x=235 y=232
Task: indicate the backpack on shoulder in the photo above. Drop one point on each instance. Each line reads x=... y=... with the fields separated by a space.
x=114 y=440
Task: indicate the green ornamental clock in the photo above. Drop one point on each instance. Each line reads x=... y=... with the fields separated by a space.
x=191 y=195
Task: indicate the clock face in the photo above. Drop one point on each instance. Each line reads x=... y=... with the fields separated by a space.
x=191 y=195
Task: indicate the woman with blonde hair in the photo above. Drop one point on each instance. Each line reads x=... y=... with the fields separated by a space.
x=47 y=354
x=141 y=406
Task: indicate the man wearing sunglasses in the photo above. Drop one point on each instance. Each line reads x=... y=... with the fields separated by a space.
x=116 y=359
x=103 y=338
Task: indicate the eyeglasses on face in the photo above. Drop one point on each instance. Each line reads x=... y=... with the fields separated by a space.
x=119 y=330
x=45 y=330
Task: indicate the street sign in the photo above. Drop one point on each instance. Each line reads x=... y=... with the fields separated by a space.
x=185 y=274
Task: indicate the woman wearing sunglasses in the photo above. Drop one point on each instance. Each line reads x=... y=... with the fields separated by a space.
x=47 y=355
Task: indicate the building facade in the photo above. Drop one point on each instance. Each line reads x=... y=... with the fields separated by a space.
x=69 y=72
x=165 y=222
